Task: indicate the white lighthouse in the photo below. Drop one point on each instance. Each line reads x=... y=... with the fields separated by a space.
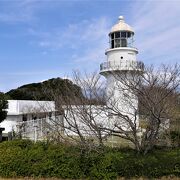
x=121 y=63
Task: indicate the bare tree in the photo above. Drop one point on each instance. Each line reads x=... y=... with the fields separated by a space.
x=83 y=116
x=147 y=96
x=155 y=91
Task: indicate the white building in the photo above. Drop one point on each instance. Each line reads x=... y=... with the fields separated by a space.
x=121 y=59
x=23 y=110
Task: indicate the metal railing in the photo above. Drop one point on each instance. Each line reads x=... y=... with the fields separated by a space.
x=122 y=65
x=36 y=129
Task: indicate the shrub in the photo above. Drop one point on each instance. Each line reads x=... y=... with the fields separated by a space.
x=175 y=137
x=23 y=158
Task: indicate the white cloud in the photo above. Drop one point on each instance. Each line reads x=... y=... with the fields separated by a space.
x=93 y=40
x=19 y=11
x=84 y=32
x=157 y=25
x=16 y=11
x=85 y=41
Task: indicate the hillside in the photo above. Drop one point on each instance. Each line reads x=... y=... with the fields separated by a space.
x=46 y=90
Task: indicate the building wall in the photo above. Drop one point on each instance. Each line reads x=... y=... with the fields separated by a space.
x=18 y=108
x=83 y=116
x=121 y=54
x=121 y=99
x=10 y=123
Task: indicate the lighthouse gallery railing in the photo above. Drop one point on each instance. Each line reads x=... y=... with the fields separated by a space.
x=122 y=65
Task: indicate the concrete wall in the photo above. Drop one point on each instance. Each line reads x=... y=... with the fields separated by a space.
x=78 y=116
x=121 y=54
x=121 y=99
x=16 y=109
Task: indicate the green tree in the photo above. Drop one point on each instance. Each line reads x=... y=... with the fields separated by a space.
x=3 y=107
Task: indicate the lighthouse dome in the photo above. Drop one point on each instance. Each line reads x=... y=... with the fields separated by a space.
x=121 y=26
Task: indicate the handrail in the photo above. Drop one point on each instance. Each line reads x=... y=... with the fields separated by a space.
x=122 y=65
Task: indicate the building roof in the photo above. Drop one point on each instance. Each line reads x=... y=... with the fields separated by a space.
x=17 y=107
x=121 y=26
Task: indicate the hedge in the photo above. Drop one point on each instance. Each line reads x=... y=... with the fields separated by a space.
x=23 y=158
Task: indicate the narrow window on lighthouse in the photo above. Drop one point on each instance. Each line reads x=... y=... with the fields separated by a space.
x=123 y=42
x=112 y=40
x=123 y=39
x=117 y=39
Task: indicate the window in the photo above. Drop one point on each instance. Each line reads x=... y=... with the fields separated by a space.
x=24 y=118
x=34 y=117
x=117 y=35
x=129 y=34
x=117 y=42
x=121 y=39
x=112 y=36
x=123 y=34
x=123 y=42
x=112 y=43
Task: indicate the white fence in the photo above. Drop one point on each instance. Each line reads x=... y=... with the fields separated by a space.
x=38 y=129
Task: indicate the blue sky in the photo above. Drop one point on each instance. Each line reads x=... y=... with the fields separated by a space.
x=42 y=39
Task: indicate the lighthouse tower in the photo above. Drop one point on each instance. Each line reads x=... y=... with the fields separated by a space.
x=121 y=63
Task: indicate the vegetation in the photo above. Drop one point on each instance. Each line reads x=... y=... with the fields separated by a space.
x=85 y=155
x=3 y=107
x=36 y=91
x=148 y=95
x=23 y=158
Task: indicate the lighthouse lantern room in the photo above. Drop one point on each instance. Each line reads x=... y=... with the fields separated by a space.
x=121 y=35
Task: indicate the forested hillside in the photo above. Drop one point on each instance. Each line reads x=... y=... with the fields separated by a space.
x=43 y=90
